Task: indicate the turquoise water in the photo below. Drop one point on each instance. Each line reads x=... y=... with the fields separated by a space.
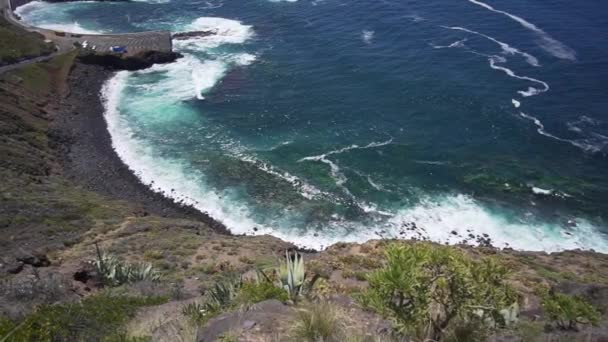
x=331 y=120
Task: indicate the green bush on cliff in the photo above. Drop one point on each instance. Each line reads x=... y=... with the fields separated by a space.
x=98 y=317
x=567 y=312
x=430 y=291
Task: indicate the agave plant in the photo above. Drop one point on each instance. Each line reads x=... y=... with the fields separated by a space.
x=223 y=293
x=292 y=276
x=115 y=272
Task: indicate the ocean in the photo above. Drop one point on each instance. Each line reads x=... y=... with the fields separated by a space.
x=332 y=120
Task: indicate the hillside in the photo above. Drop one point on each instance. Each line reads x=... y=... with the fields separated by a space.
x=18 y=44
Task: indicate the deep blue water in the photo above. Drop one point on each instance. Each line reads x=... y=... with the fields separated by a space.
x=337 y=120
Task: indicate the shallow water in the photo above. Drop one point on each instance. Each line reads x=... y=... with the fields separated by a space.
x=333 y=120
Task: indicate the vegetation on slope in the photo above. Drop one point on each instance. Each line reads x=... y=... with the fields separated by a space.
x=17 y=44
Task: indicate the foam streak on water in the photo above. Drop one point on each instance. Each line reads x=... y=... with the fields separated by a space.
x=506 y=48
x=551 y=45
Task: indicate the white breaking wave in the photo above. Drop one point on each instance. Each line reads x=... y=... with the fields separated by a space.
x=516 y=103
x=506 y=48
x=74 y=27
x=171 y=177
x=367 y=36
x=551 y=45
x=453 y=218
x=225 y=31
x=49 y=16
x=186 y=78
x=190 y=77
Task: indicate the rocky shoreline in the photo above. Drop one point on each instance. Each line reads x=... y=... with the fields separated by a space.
x=89 y=159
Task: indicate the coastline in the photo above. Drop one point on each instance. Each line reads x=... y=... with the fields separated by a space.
x=88 y=157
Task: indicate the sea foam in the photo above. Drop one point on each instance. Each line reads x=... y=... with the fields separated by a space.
x=551 y=45
x=506 y=48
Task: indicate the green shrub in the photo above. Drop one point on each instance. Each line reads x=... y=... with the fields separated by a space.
x=255 y=292
x=569 y=311
x=99 y=317
x=221 y=297
x=115 y=272
x=319 y=322
x=426 y=290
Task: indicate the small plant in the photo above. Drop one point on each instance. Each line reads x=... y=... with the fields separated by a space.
x=115 y=272
x=195 y=312
x=220 y=297
x=319 y=322
x=567 y=312
x=222 y=294
x=293 y=277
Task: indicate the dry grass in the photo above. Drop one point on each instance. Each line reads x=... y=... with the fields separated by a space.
x=321 y=321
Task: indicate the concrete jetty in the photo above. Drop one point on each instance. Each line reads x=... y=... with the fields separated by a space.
x=135 y=43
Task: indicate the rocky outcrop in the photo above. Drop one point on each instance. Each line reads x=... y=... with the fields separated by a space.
x=136 y=62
